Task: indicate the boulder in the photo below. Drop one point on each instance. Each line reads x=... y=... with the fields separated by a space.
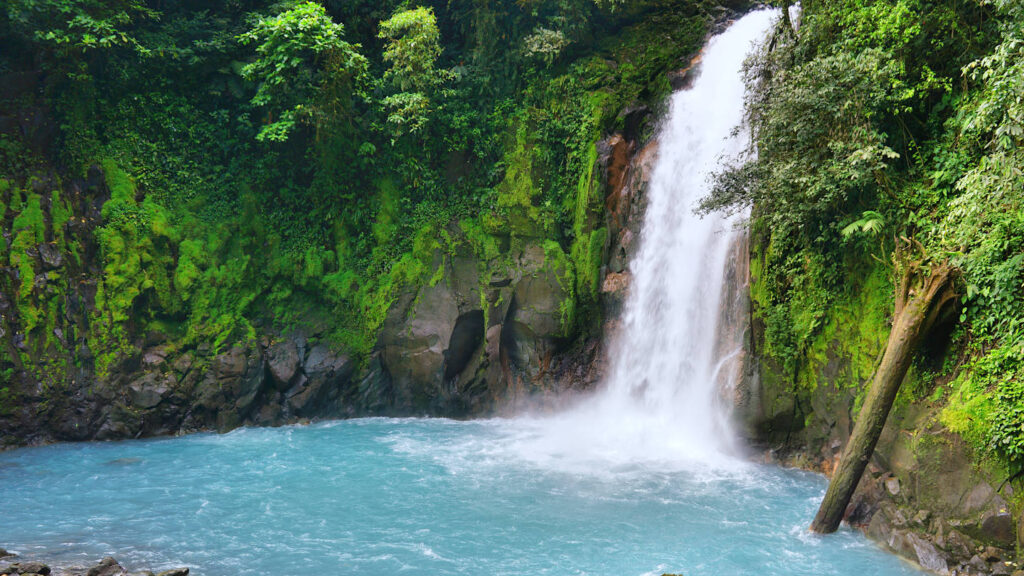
x=283 y=362
x=997 y=526
x=414 y=340
x=147 y=391
x=154 y=357
x=182 y=364
x=29 y=568
x=927 y=555
x=106 y=567
x=230 y=365
x=50 y=256
x=174 y=572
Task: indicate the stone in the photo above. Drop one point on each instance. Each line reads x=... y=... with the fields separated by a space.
x=978 y=564
x=928 y=556
x=1001 y=569
x=998 y=527
x=977 y=498
x=50 y=256
x=107 y=567
x=147 y=391
x=892 y=485
x=154 y=357
x=615 y=283
x=922 y=517
x=174 y=572
x=992 y=554
x=230 y=365
x=958 y=545
x=183 y=363
x=5 y=553
x=30 y=568
x=283 y=361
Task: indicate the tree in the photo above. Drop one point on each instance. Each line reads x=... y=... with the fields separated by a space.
x=412 y=50
x=922 y=294
x=70 y=28
x=307 y=72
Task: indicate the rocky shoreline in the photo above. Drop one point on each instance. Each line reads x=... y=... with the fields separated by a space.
x=11 y=565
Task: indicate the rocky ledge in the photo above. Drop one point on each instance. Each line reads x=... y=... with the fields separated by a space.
x=105 y=567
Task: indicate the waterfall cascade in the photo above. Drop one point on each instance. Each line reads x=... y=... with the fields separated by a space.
x=671 y=358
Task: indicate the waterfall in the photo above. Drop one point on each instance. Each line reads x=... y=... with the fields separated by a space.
x=672 y=358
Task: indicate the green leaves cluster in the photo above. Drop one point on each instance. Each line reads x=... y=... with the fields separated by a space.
x=71 y=28
x=305 y=70
x=880 y=119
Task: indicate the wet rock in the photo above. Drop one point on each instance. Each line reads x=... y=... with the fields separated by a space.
x=182 y=364
x=147 y=391
x=50 y=256
x=5 y=553
x=155 y=357
x=977 y=498
x=928 y=556
x=978 y=564
x=992 y=554
x=958 y=545
x=283 y=362
x=413 y=342
x=230 y=365
x=998 y=527
x=1000 y=569
x=251 y=385
x=466 y=337
x=107 y=567
x=174 y=572
x=29 y=568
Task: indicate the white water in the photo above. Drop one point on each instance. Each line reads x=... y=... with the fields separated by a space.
x=662 y=399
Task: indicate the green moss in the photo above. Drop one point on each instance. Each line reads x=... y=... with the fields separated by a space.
x=60 y=215
x=986 y=402
x=485 y=246
x=518 y=190
x=385 y=225
x=559 y=263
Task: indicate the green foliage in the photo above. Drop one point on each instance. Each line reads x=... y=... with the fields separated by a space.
x=870 y=223
x=887 y=119
x=412 y=49
x=213 y=229
x=413 y=46
x=29 y=230
x=70 y=28
x=306 y=72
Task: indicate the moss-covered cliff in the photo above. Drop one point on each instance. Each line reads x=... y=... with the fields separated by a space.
x=879 y=125
x=260 y=212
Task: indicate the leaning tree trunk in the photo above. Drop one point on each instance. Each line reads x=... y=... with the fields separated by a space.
x=920 y=298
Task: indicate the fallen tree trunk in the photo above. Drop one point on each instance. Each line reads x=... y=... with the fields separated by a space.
x=920 y=297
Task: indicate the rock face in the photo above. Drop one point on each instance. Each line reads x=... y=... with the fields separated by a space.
x=491 y=331
x=473 y=341
x=924 y=495
x=486 y=334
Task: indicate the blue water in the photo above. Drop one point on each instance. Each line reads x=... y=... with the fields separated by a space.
x=433 y=497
